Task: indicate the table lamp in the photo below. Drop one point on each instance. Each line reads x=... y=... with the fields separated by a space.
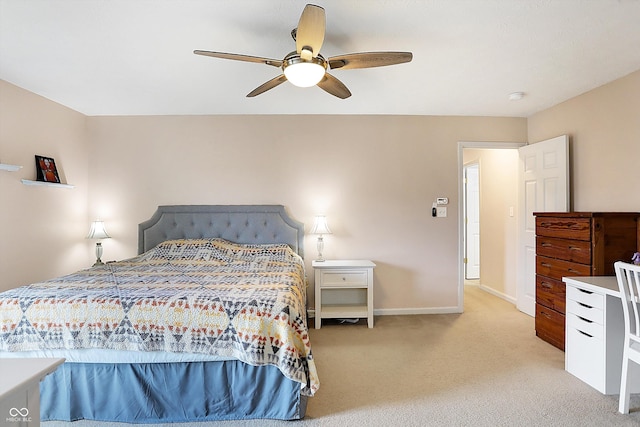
x=320 y=227
x=98 y=231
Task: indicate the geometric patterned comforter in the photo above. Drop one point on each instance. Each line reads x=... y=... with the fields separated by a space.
x=206 y=296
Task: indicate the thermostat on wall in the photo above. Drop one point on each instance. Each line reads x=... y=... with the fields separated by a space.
x=442 y=200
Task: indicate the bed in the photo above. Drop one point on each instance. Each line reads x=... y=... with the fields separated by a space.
x=208 y=322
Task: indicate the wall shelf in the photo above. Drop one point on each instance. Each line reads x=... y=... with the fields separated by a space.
x=48 y=184
x=9 y=168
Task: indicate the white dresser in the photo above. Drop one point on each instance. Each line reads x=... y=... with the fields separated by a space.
x=595 y=333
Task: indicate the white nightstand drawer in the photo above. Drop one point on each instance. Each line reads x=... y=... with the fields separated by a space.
x=344 y=278
x=585 y=311
x=589 y=298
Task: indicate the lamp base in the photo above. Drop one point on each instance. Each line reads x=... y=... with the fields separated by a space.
x=320 y=248
x=98 y=254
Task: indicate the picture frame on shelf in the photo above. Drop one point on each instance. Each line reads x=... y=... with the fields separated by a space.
x=46 y=170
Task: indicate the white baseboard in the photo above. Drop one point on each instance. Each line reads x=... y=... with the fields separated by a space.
x=405 y=311
x=410 y=311
x=498 y=294
x=430 y=310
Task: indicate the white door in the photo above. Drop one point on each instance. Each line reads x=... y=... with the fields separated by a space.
x=472 y=221
x=544 y=187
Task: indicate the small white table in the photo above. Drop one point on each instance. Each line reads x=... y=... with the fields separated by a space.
x=20 y=389
x=594 y=337
x=343 y=289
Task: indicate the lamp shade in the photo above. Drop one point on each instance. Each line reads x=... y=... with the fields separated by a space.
x=98 y=231
x=320 y=225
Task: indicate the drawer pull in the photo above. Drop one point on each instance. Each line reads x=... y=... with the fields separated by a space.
x=544 y=264
x=546 y=285
x=571 y=270
x=545 y=244
x=585 y=320
x=547 y=315
x=584 y=291
x=344 y=278
x=584 y=333
x=584 y=305
x=574 y=248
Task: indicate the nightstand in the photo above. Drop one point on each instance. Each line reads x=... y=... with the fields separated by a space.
x=344 y=289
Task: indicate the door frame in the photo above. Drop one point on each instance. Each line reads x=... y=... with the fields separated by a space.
x=461 y=146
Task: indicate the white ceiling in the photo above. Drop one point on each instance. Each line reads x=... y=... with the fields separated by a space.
x=134 y=57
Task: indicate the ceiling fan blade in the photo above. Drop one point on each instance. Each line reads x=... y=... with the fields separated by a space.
x=334 y=86
x=310 y=32
x=238 y=57
x=368 y=60
x=268 y=85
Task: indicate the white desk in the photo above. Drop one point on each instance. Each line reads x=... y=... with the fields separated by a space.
x=594 y=334
x=20 y=390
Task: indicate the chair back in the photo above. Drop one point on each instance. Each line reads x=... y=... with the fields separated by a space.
x=628 y=276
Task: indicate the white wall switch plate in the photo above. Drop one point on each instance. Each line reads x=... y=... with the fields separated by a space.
x=442 y=200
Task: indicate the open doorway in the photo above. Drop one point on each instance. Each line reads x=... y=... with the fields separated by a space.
x=497 y=199
x=472 y=221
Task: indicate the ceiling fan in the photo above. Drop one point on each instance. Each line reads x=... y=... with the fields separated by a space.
x=305 y=66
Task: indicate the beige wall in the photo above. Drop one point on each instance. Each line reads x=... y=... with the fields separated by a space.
x=498 y=173
x=604 y=130
x=42 y=229
x=375 y=177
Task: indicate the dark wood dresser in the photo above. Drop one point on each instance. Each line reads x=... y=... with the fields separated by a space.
x=576 y=244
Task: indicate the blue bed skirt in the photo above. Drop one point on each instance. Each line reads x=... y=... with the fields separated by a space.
x=169 y=392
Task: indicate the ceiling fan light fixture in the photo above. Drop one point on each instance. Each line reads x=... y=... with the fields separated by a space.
x=303 y=73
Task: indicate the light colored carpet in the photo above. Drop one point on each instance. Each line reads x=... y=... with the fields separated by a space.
x=484 y=367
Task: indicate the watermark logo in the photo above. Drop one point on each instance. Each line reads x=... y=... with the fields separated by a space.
x=14 y=412
x=18 y=415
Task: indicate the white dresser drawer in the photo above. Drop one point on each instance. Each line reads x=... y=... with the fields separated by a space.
x=589 y=298
x=585 y=311
x=585 y=326
x=344 y=278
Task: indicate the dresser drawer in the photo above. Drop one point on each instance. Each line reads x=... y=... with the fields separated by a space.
x=337 y=278
x=570 y=250
x=564 y=228
x=585 y=311
x=557 y=268
x=583 y=296
x=550 y=293
x=550 y=326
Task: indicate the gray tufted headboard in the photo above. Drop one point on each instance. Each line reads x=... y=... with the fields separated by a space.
x=237 y=223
